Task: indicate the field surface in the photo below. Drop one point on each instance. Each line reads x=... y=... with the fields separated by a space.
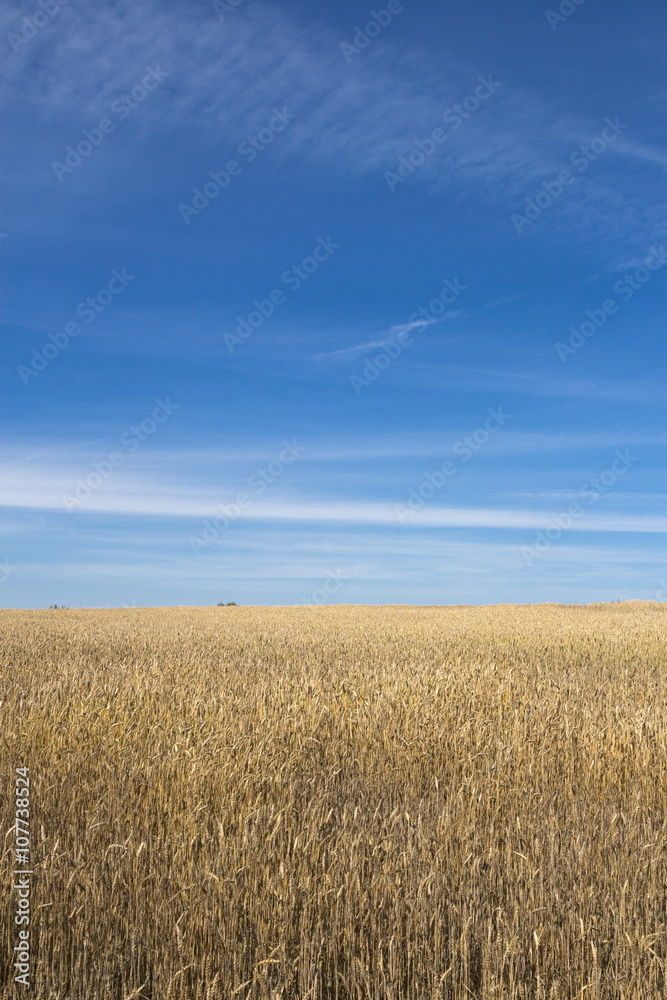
x=350 y=803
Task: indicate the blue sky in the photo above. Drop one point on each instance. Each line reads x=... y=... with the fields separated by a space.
x=311 y=303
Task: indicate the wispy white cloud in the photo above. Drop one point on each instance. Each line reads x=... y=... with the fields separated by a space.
x=641 y=151
x=505 y=299
x=545 y=383
x=657 y=498
x=345 y=354
x=375 y=555
x=136 y=496
x=360 y=117
x=269 y=567
x=63 y=461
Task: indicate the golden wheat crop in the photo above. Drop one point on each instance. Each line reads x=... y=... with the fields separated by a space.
x=348 y=803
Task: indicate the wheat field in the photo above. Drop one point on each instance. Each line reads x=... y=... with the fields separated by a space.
x=347 y=803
